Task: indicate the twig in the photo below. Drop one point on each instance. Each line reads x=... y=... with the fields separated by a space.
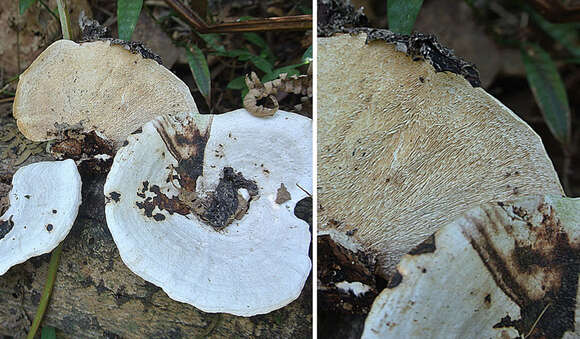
x=305 y=191
x=298 y=22
x=52 y=268
x=4 y=100
x=192 y=18
x=556 y=11
x=537 y=321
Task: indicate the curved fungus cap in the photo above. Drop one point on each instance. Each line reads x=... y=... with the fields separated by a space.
x=95 y=86
x=403 y=149
x=206 y=213
x=44 y=203
x=501 y=270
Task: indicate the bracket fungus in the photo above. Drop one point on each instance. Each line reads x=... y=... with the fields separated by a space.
x=500 y=270
x=44 y=202
x=99 y=86
x=405 y=145
x=191 y=205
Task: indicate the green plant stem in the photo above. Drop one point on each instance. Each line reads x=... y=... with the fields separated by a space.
x=64 y=20
x=52 y=268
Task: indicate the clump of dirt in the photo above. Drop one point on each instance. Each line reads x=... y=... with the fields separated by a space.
x=335 y=16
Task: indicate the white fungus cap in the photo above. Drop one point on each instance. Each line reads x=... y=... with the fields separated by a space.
x=501 y=270
x=44 y=203
x=254 y=265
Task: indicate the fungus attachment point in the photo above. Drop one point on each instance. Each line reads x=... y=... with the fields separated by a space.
x=197 y=214
x=31 y=226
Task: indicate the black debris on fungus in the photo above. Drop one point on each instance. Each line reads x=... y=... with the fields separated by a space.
x=224 y=202
x=115 y=196
x=85 y=148
x=136 y=47
x=336 y=15
x=553 y=313
x=93 y=31
x=303 y=210
x=54 y=211
x=427 y=246
x=350 y=233
x=190 y=165
x=395 y=280
x=6 y=226
x=159 y=217
x=49 y=227
x=161 y=201
x=421 y=46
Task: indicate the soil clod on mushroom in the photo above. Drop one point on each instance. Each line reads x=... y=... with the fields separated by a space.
x=225 y=200
x=6 y=227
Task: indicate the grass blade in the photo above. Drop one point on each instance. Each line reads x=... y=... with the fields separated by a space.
x=307 y=57
x=45 y=298
x=23 y=5
x=64 y=19
x=127 y=15
x=548 y=89
x=402 y=14
x=200 y=71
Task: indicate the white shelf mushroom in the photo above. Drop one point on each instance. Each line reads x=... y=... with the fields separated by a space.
x=44 y=203
x=501 y=270
x=206 y=213
x=95 y=86
x=403 y=149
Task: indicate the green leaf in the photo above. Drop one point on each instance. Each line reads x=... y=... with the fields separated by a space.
x=127 y=15
x=568 y=35
x=307 y=57
x=23 y=5
x=200 y=71
x=290 y=70
x=261 y=63
x=548 y=89
x=239 y=53
x=256 y=40
x=402 y=14
x=213 y=40
x=238 y=83
x=48 y=332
